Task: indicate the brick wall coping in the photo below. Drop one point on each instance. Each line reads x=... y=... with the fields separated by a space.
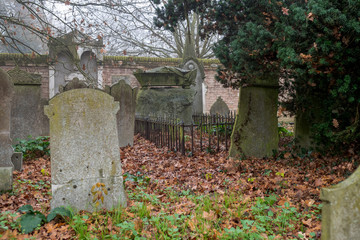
x=29 y=58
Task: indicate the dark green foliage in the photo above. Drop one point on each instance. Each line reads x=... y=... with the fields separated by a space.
x=313 y=45
x=33 y=219
x=31 y=148
x=322 y=51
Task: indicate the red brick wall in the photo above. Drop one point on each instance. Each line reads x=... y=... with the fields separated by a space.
x=214 y=90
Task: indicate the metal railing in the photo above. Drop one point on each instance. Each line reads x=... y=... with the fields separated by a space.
x=207 y=133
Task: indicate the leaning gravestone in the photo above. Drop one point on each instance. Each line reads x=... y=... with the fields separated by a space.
x=6 y=166
x=123 y=93
x=84 y=149
x=219 y=107
x=341 y=210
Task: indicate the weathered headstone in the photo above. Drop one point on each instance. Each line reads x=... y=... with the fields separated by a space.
x=219 y=107
x=84 y=149
x=255 y=132
x=123 y=93
x=6 y=151
x=27 y=115
x=341 y=210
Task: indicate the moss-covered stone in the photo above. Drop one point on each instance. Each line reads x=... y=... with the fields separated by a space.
x=174 y=102
x=20 y=77
x=255 y=132
x=341 y=210
x=84 y=148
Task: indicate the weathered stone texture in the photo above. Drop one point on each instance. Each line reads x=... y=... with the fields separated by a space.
x=73 y=84
x=173 y=102
x=219 y=107
x=84 y=148
x=27 y=116
x=255 y=131
x=6 y=151
x=194 y=64
x=17 y=161
x=341 y=210
x=123 y=93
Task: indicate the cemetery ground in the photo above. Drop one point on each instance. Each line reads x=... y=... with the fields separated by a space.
x=204 y=196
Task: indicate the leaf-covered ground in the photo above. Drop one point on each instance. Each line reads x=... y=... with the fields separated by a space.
x=205 y=196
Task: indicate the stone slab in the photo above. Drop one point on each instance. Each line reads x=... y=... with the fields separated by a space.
x=6 y=179
x=341 y=210
x=84 y=141
x=17 y=160
x=123 y=93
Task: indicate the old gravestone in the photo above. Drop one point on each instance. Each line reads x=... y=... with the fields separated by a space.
x=255 y=132
x=165 y=91
x=27 y=115
x=6 y=166
x=84 y=149
x=341 y=210
x=219 y=107
x=123 y=93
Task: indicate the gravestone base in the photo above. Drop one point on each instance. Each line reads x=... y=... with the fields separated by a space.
x=17 y=160
x=6 y=176
x=63 y=195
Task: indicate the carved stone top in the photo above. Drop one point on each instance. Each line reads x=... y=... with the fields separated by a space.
x=166 y=76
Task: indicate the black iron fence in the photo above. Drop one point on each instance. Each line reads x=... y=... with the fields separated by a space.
x=207 y=133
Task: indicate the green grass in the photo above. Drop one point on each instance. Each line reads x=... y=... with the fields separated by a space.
x=170 y=214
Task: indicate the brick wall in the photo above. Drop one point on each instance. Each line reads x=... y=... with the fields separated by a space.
x=126 y=66
x=214 y=90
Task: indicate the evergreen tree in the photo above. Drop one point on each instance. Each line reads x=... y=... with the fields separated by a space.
x=312 y=44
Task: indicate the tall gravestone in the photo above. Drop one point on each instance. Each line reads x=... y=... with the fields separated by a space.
x=255 y=132
x=6 y=151
x=219 y=107
x=27 y=115
x=123 y=93
x=84 y=149
x=341 y=210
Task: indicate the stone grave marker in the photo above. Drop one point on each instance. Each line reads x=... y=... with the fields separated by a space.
x=84 y=149
x=341 y=210
x=6 y=151
x=123 y=93
x=27 y=115
x=219 y=107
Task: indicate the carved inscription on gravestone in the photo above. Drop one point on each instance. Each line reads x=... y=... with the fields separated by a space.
x=84 y=148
